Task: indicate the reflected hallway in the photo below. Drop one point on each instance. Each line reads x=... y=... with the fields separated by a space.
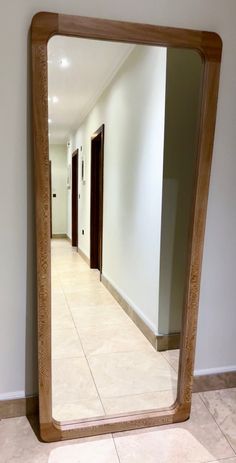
x=102 y=363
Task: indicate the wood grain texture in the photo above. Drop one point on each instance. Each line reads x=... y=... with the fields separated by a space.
x=214 y=382
x=43 y=242
x=19 y=407
x=168 y=341
x=209 y=45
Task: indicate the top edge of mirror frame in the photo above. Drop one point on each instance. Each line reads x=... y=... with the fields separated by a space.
x=45 y=25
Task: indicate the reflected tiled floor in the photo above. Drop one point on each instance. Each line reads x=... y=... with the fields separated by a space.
x=87 y=381
x=102 y=363
x=203 y=438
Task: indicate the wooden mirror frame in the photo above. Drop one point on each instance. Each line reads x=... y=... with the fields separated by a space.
x=209 y=45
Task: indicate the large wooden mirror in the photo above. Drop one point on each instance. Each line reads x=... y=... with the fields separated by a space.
x=124 y=118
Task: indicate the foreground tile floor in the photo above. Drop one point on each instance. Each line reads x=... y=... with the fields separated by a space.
x=205 y=437
x=102 y=363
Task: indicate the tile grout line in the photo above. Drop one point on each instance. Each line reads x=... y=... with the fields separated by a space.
x=124 y=352
x=221 y=430
x=114 y=442
x=68 y=305
x=173 y=368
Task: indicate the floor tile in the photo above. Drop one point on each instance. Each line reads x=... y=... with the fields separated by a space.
x=19 y=444
x=58 y=299
x=131 y=373
x=62 y=319
x=101 y=315
x=93 y=452
x=78 y=279
x=66 y=343
x=172 y=356
x=78 y=299
x=227 y=460
x=196 y=440
x=136 y=380
x=117 y=337
x=72 y=380
x=78 y=409
x=132 y=403
x=82 y=285
x=222 y=405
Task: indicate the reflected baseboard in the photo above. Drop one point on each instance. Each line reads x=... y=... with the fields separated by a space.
x=168 y=341
x=68 y=238
x=13 y=408
x=59 y=236
x=159 y=342
x=83 y=255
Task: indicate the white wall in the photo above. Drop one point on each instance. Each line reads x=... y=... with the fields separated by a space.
x=58 y=157
x=216 y=341
x=183 y=89
x=69 y=160
x=133 y=111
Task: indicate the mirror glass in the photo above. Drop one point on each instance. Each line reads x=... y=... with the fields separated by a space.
x=123 y=131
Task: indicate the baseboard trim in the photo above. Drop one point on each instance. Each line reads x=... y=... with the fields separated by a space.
x=83 y=255
x=28 y=406
x=146 y=330
x=13 y=408
x=59 y=236
x=168 y=341
x=214 y=382
x=159 y=342
x=68 y=238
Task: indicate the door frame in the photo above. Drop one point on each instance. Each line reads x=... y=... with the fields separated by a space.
x=74 y=198
x=209 y=46
x=96 y=229
x=50 y=192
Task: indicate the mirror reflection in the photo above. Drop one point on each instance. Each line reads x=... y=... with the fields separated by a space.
x=123 y=126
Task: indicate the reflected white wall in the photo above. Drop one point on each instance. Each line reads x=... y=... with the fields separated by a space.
x=132 y=109
x=58 y=157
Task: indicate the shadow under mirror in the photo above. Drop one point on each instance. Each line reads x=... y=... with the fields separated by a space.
x=123 y=133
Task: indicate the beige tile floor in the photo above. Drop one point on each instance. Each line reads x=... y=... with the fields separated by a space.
x=208 y=436
x=102 y=363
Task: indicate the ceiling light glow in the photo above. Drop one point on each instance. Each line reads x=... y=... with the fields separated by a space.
x=55 y=99
x=49 y=121
x=64 y=63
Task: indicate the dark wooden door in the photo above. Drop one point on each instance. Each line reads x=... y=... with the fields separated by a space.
x=96 y=210
x=50 y=192
x=74 y=199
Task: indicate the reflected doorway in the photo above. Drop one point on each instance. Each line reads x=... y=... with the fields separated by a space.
x=96 y=207
x=74 y=199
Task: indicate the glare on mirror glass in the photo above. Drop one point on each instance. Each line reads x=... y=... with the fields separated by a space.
x=123 y=141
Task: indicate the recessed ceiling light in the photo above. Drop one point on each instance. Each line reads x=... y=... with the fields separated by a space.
x=64 y=63
x=49 y=121
x=55 y=99
x=49 y=98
